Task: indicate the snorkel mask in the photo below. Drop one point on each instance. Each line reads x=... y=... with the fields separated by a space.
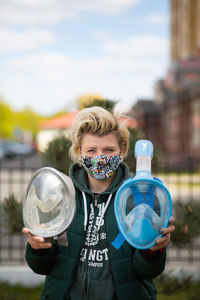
x=142 y=204
x=49 y=204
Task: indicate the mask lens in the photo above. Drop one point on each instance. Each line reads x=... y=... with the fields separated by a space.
x=142 y=209
x=50 y=203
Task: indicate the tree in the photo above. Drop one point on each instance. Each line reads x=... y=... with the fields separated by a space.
x=17 y=121
x=105 y=103
x=88 y=100
x=26 y=119
x=7 y=119
x=135 y=135
x=57 y=154
x=187 y=223
x=12 y=214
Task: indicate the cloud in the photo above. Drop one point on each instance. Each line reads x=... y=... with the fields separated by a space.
x=105 y=6
x=134 y=46
x=35 y=12
x=58 y=78
x=157 y=19
x=119 y=68
x=15 y=41
x=54 y=63
x=22 y=15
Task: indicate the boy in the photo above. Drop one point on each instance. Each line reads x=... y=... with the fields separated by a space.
x=90 y=267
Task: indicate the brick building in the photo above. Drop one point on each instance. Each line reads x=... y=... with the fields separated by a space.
x=172 y=119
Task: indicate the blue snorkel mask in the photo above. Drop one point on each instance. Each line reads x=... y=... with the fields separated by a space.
x=142 y=204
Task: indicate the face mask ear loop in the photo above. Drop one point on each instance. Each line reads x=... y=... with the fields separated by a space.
x=85 y=211
x=80 y=159
x=103 y=213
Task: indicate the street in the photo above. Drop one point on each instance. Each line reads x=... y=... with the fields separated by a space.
x=33 y=161
x=15 y=174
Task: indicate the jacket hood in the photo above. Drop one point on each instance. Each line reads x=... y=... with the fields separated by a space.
x=79 y=178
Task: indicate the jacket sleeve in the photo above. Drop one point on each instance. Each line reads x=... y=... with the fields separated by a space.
x=148 y=267
x=40 y=261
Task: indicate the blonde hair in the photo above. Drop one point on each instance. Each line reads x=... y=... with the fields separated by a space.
x=98 y=121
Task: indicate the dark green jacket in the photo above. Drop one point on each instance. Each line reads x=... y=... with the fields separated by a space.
x=132 y=270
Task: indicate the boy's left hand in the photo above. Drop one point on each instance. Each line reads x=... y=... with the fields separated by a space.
x=165 y=239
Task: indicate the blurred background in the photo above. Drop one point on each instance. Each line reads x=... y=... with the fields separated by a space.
x=138 y=58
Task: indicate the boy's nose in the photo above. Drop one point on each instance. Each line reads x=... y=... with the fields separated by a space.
x=100 y=153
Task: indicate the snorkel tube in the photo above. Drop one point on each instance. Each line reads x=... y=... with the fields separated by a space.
x=142 y=204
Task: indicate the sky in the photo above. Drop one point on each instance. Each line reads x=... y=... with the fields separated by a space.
x=53 y=51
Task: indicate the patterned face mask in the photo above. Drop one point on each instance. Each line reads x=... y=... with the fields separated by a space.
x=101 y=167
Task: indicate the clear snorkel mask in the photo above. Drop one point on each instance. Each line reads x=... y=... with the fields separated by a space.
x=49 y=205
x=142 y=204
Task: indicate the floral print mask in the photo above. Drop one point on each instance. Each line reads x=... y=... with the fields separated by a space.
x=101 y=167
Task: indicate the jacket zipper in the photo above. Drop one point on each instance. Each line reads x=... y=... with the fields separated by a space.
x=95 y=201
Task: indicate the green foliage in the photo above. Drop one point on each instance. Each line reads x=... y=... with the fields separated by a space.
x=57 y=154
x=12 y=215
x=86 y=100
x=135 y=135
x=187 y=223
x=19 y=292
x=169 y=287
x=179 y=287
x=58 y=113
x=156 y=160
x=7 y=118
x=169 y=284
x=105 y=103
x=27 y=120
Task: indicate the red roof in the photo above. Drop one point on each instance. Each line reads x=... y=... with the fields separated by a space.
x=61 y=122
x=130 y=123
x=65 y=121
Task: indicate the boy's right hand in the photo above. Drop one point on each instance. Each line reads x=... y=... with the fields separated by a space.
x=36 y=242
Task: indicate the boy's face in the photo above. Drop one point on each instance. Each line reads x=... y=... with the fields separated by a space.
x=93 y=145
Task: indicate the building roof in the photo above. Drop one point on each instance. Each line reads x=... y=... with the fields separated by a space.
x=65 y=121
x=129 y=122
x=60 y=122
x=148 y=106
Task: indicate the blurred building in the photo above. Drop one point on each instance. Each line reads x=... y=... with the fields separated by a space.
x=54 y=127
x=185 y=29
x=172 y=119
x=49 y=129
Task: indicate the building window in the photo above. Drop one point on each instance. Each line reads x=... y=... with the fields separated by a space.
x=195 y=130
x=172 y=129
